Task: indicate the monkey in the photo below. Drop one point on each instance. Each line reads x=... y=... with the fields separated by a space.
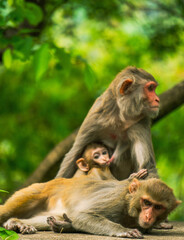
x=110 y=207
x=120 y=119
x=95 y=161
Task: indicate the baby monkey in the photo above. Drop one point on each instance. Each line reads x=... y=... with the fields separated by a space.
x=95 y=162
x=41 y=200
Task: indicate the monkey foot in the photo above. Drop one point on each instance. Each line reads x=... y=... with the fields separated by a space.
x=66 y=218
x=134 y=233
x=59 y=226
x=163 y=225
x=17 y=226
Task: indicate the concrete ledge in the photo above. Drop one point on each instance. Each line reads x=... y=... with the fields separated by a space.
x=177 y=233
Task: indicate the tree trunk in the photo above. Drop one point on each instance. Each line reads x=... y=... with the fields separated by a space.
x=169 y=101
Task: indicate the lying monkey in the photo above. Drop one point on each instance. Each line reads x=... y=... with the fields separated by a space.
x=110 y=207
x=94 y=206
x=39 y=201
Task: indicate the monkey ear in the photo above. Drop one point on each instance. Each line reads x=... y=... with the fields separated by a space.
x=178 y=202
x=82 y=165
x=125 y=85
x=134 y=185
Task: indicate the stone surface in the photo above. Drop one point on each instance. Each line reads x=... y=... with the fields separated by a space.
x=177 y=233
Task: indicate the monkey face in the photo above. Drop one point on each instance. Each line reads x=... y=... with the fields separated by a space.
x=138 y=98
x=152 y=201
x=152 y=101
x=150 y=211
x=100 y=156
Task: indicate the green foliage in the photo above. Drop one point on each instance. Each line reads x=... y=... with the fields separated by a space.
x=3 y=191
x=41 y=61
x=7 y=58
x=7 y=234
x=58 y=56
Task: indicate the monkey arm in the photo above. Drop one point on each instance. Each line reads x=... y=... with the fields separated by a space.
x=142 y=149
x=97 y=224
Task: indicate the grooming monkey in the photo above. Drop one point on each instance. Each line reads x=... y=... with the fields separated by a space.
x=120 y=118
x=108 y=207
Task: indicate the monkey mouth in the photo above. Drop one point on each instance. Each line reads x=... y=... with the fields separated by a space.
x=144 y=225
x=107 y=163
x=155 y=106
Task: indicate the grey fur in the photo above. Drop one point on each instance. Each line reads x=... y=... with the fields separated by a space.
x=128 y=118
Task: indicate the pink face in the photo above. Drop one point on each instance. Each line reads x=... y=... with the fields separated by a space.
x=150 y=210
x=101 y=156
x=152 y=98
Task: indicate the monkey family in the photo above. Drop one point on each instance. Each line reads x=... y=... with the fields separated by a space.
x=105 y=207
x=93 y=200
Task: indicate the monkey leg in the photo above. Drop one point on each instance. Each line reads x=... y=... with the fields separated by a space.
x=23 y=203
x=141 y=174
x=18 y=226
x=60 y=226
x=97 y=224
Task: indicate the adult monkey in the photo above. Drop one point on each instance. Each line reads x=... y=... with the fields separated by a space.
x=120 y=119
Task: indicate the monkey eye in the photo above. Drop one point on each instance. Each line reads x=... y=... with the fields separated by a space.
x=147 y=203
x=151 y=87
x=96 y=156
x=158 y=207
x=104 y=152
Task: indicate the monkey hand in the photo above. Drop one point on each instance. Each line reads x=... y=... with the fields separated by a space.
x=133 y=233
x=139 y=175
x=17 y=226
x=163 y=225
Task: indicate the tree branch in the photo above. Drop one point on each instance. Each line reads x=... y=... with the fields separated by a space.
x=169 y=101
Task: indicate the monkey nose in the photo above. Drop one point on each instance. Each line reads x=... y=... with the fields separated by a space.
x=157 y=99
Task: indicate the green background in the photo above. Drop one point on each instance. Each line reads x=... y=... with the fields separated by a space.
x=57 y=56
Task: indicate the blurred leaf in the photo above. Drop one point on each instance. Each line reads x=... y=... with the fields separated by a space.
x=64 y=58
x=41 y=61
x=10 y=2
x=8 y=234
x=89 y=77
x=3 y=191
x=33 y=13
x=17 y=15
x=7 y=58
